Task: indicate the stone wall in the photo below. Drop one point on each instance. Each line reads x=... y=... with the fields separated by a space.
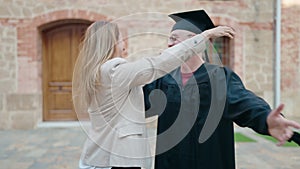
x=8 y=71
x=146 y=25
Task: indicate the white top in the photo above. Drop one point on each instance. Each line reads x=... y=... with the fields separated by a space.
x=85 y=166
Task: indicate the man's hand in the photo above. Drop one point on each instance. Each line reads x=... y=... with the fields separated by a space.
x=279 y=127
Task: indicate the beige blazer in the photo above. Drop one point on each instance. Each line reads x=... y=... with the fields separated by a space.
x=118 y=131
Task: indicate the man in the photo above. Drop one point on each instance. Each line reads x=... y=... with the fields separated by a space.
x=195 y=125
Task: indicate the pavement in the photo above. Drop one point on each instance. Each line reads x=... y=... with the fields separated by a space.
x=60 y=147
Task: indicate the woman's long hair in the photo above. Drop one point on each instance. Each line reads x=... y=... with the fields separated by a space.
x=97 y=47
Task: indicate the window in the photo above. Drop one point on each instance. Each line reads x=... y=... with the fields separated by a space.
x=215 y=0
x=222 y=45
x=218 y=51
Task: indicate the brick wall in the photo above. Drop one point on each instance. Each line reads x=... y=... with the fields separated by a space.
x=290 y=56
x=146 y=25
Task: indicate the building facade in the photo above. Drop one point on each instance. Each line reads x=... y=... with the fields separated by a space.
x=39 y=42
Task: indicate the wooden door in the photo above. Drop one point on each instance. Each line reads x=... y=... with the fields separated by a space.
x=60 y=50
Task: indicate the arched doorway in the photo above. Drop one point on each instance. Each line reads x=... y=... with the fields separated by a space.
x=60 y=47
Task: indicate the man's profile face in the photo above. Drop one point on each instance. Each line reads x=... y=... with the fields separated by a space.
x=179 y=35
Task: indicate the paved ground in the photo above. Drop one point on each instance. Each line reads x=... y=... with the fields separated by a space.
x=59 y=148
x=264 y=154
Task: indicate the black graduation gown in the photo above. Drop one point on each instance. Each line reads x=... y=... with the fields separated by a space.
x=241 y=106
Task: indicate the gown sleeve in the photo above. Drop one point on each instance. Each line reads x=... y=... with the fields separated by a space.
x=244 y=107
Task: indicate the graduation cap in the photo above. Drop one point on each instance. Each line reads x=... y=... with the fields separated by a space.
x=193 y=21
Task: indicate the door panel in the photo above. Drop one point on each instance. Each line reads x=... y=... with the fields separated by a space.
x=61 y=54
x=60 y=50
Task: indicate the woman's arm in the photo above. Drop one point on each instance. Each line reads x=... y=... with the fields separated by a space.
x=146 y=70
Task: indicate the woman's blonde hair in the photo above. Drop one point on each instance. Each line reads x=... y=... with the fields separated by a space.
x=98 y=46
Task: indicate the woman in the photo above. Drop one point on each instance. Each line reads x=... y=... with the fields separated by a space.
x=109 y=88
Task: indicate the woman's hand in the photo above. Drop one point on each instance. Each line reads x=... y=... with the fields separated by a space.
x=219 y=32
